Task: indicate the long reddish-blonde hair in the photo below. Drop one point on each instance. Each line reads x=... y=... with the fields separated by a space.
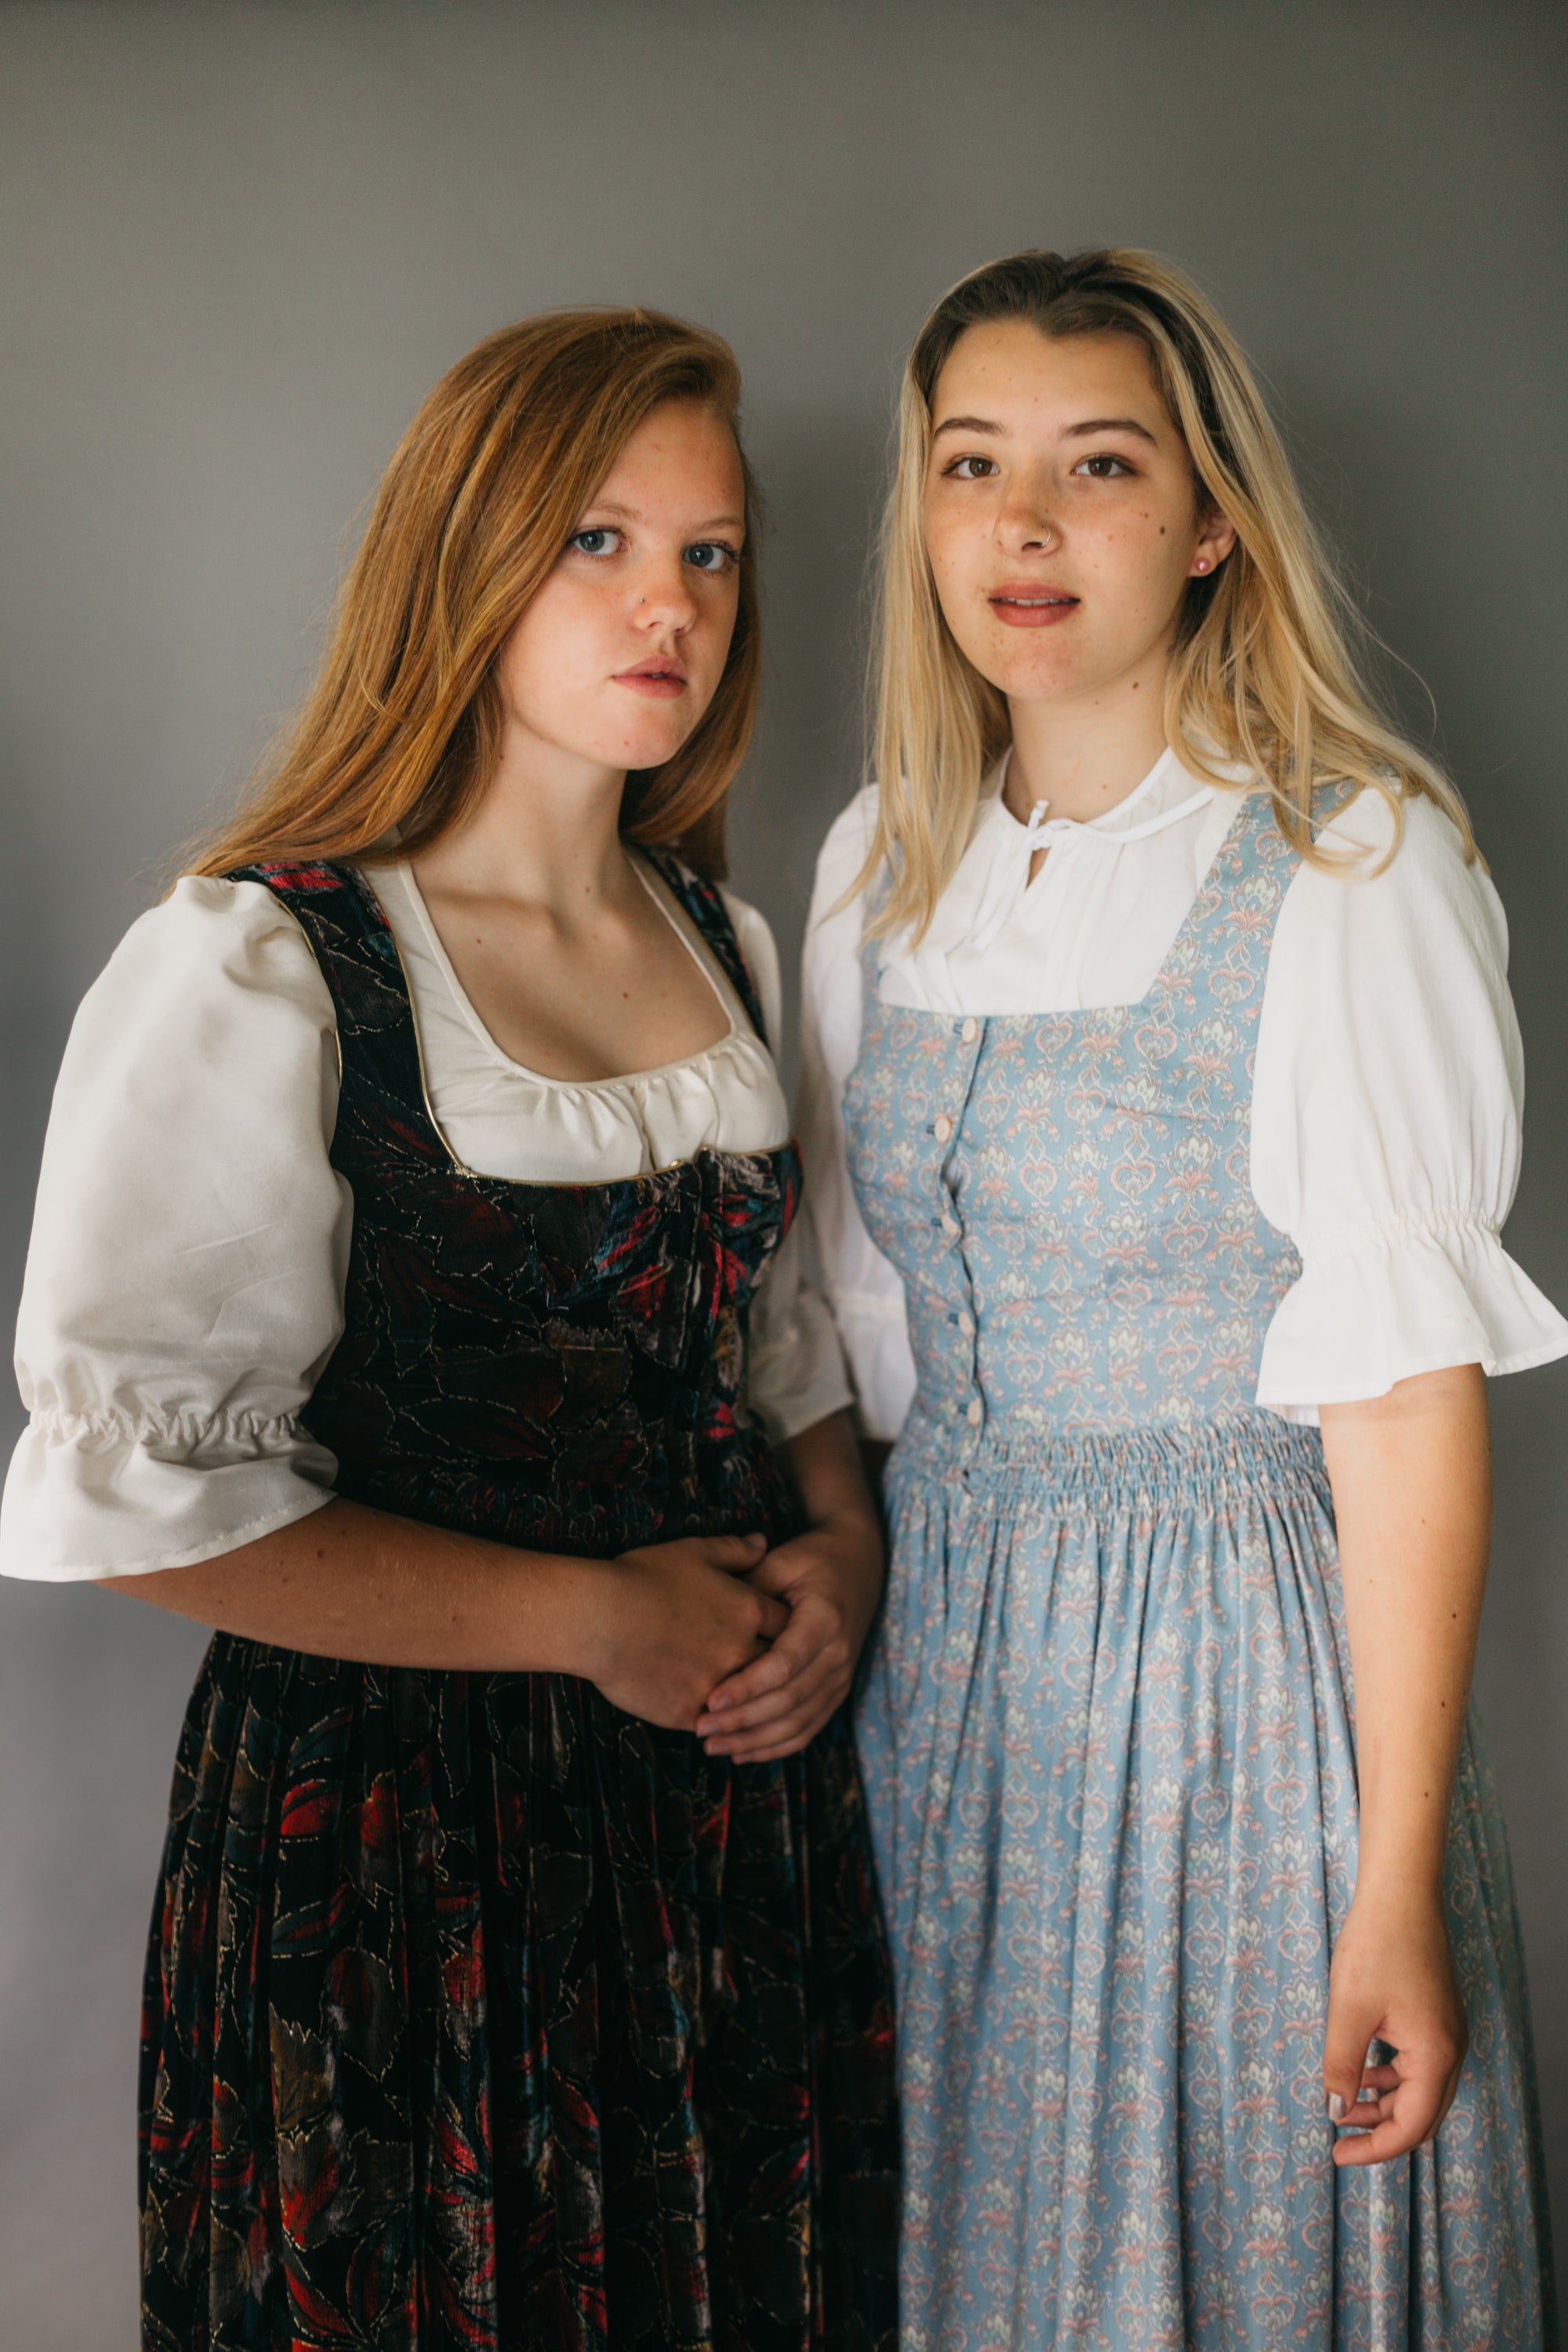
x=400 y=733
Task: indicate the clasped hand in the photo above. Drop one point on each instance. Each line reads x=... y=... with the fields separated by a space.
x=829 y=1581
x=751 y=1649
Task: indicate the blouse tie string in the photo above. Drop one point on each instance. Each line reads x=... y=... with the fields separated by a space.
x=1009 y=875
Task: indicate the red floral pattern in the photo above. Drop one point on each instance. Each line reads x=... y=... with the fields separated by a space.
x=480 y=2014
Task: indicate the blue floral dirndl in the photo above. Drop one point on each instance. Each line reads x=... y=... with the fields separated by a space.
x=1108 y=1731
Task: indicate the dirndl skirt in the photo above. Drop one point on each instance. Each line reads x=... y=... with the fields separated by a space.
x=1108 y=1746
x=480 y=2014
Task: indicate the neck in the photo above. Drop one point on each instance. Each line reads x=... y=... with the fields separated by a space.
x=1082 y=756
x=545 y=834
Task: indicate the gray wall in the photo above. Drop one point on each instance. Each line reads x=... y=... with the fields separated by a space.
x=242 y=240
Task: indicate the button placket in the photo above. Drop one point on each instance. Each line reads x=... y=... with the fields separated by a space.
x=969 y=1034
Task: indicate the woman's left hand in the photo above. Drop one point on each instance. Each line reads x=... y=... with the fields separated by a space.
x=1391 y=1981
x=829 y=1579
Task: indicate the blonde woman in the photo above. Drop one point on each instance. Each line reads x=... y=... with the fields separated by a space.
x=413 y=1173
x=1163 y=1110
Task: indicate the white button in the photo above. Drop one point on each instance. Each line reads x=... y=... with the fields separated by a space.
x=949 y=1226
x=969 y=1031
x=966 y=1323
x=976 y=1414
x=942 y=1128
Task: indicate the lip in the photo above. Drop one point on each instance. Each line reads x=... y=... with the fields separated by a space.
x=1031 y=603
x=661 y=677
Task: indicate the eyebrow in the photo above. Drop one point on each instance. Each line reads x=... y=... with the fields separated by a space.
x=1110 y=425
x=1070 y=432
x=635 y=514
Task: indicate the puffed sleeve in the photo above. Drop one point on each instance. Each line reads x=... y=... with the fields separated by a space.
x=797 y=1368
x=863 y=1289
x=185 y=1284
x=1386 y=1121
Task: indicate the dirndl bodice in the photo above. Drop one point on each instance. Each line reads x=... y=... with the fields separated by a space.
x=1108 y=1731
x=478 y=2013
x=1067 y=1197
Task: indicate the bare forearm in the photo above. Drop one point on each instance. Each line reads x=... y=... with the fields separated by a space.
x=1411 y=1474
x=874 y=1452
x=827 y=1466
x=830 y=1578
x=348 y=1583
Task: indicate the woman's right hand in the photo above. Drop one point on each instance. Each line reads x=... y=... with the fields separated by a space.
x=676 y=1619
x=1391 y=1981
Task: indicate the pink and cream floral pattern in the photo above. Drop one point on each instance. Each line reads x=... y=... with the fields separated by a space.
x=1108 y=1734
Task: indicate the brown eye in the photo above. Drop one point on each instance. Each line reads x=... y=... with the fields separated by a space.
x=1104 y=467
x=971 y=469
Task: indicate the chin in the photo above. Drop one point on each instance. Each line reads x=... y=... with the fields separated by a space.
x=654 y=753
x=633 y=747
x=1037 y=681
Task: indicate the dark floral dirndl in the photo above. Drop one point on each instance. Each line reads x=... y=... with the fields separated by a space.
x=480 y=2014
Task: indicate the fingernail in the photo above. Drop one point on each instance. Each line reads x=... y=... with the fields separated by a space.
x=1336 y=2108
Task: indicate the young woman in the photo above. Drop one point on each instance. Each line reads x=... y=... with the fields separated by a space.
x=414 y=1171
x=1163 y=1099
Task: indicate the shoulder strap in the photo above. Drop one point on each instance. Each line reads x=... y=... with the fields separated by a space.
x=1328 y=800
x=703 y=902
x=342 y=918
x=353 y=941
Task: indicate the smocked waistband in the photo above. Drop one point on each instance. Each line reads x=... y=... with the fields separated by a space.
x=1145 y=1463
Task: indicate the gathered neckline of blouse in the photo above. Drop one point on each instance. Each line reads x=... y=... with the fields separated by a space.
x=737 y=1035
x=1112 y=824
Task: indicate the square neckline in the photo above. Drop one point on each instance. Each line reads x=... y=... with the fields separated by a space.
x=662 y=899
x=654 y=1178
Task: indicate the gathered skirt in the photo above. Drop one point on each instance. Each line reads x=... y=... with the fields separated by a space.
x=480 y=2017
x=1107 y=1738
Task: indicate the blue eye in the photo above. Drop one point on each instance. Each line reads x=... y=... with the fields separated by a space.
x=596 y=541
x=711 y=555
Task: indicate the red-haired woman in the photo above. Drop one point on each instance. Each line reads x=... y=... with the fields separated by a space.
x=413 y=1172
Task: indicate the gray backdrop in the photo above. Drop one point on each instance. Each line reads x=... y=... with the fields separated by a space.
x=242 y=240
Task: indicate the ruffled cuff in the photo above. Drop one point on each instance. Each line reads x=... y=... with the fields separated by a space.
x=100 y=1495
x=1391 y=1301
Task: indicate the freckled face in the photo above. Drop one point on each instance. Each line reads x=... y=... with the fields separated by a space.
x=1061 y=512
x=620 y=654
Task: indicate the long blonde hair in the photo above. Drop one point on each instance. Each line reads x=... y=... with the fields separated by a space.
x=399 y=735
x=1261 y=674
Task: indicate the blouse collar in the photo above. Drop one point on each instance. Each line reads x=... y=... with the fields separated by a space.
x=1148 y=809
x=1132 y=818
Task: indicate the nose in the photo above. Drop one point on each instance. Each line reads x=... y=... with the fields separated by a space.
x=1026 y=524
x=665 y=600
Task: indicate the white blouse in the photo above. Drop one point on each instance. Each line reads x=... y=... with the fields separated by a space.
x=184 y=1287
x=1388 y=1090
